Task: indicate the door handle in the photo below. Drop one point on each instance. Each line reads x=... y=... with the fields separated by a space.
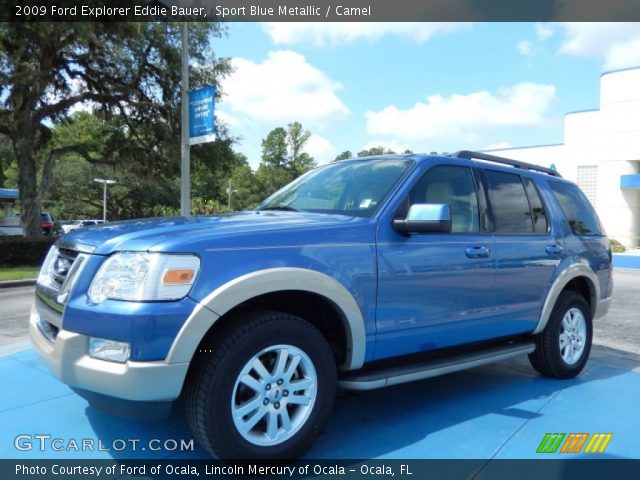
x=554 y=249
x=477 y=252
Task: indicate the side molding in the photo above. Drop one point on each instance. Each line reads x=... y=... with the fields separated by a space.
x=573 y=271
x=254 y=284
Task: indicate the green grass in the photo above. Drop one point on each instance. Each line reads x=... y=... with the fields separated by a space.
x=18 y=273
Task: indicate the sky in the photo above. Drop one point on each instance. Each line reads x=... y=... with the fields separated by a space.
x=423 y=86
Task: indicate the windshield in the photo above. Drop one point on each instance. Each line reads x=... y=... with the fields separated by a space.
x=354 y=188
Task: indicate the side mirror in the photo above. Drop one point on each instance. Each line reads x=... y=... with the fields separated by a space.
x=425 y=218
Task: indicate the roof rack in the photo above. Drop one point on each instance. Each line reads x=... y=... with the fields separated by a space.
x=505 y=161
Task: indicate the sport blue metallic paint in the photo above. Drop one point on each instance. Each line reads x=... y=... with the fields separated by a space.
x=415 y=293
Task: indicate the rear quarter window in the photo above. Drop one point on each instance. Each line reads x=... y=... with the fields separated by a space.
x=576 y=207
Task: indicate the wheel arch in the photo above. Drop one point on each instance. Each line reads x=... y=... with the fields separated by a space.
x=290 y=289
x=577 y=277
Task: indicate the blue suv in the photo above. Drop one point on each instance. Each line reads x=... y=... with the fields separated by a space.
x=360 y=274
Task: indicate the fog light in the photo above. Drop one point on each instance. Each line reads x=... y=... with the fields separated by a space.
x=109 y=350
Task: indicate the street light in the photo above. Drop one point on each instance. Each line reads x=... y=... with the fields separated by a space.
x=229 y=192
x=104 y=195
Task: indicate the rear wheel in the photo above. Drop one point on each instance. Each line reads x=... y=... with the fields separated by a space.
x=563 y=347
x=263 y=389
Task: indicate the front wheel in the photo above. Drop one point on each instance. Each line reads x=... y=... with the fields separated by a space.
x=263 y=389
x=563 y=347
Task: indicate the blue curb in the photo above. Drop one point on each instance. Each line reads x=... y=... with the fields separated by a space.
x=626 y=261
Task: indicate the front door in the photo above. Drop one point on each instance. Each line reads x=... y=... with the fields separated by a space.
x=436 y=290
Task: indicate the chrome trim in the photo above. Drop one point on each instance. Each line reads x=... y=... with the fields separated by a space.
x=251 y=285
x=53 y=289
x=72 y=277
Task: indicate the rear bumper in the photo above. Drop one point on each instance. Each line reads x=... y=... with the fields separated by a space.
x=603 y=307
x=67 y=357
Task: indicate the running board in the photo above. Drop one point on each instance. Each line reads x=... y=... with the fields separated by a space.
x=387 y=377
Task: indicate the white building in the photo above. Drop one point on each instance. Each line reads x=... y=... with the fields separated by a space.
x=601 y=153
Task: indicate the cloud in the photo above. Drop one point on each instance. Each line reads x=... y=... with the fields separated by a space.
x=525 y=47
x=463 y=118
x=543 y=31
x=618 y=44
x=335 y=33
x=320 y=149
x=281 y=89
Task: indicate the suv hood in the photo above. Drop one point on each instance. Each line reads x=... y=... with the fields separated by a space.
x=186 y=234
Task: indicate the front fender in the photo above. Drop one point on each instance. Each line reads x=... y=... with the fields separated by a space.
x=251 y=285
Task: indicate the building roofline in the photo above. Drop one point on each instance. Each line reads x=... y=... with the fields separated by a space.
x=521 y=148
x=8 y=194
x=617 y=70
x=586 y=110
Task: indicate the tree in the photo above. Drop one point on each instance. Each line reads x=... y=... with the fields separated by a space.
x=128 y=72
x=6 y=159
x=343 y=156
x=283 y=156
x=373 y=151
x=248 y=191
x=299 y=160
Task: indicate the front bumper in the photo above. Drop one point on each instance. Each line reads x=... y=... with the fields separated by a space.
x=67 y=357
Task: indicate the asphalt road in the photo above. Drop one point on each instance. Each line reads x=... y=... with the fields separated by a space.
x=619 y=329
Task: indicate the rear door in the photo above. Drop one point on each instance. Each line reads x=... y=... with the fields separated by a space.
x=527 y=250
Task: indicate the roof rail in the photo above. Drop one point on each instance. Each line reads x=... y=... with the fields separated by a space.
x=505 y=161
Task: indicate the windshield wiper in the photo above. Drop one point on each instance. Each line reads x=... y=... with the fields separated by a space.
x=281 y=207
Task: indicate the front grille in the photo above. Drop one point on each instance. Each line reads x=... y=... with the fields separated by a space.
x=48 y=330
x=62 y=265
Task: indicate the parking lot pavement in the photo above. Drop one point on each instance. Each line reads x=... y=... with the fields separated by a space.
x=492 y=412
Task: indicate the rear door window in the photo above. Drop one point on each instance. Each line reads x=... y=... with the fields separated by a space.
x=510 y=211
x=538 y=213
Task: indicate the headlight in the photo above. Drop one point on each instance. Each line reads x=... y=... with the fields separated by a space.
x=44 y=277
x=141 y=276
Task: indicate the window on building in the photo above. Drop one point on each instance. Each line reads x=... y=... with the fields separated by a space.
x=576 y=207
x=454 y=186
x=509 y=205
x=538 y=214
x=588 y=182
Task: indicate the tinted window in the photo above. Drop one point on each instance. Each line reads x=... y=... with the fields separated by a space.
x=454 y=186
x=538 y=215
x=509 y=203
x=579 y=212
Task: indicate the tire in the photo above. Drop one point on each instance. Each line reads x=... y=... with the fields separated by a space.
x=262 y=389
x=563 y=347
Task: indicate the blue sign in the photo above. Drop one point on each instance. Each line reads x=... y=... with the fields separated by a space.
x=201 y=127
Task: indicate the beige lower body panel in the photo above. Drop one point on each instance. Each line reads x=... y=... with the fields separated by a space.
x=67 y=357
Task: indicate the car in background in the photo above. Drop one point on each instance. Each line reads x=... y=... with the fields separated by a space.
x=75 y=224
x=49 y=224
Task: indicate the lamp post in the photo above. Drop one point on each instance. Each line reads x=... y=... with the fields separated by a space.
x=104 y=195
x=230 y=190
x=185 y=160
